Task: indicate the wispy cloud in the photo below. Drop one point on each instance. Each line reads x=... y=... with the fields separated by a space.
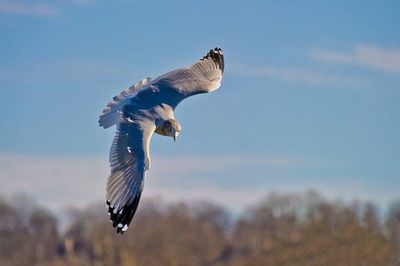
x=201 y=164
x=58 y=182
x=298 y=75
x=22 y=8
x=387 y=60
x=78 y=181
x=81 y=2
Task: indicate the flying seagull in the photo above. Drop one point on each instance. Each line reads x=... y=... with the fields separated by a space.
x=138 y=112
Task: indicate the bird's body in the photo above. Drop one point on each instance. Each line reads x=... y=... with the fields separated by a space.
x=139 y=111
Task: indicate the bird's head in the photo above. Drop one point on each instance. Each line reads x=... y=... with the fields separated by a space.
x=172 y=128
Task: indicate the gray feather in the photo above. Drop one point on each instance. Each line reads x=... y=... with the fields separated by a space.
x=128 y=168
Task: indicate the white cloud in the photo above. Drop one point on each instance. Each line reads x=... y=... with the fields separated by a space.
x=201 y=164
x=58 y=182
x=21 y=8
x=298 y=75
x=387 y=60
x=63 y=181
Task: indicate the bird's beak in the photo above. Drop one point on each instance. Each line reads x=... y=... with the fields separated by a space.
x=176 y=136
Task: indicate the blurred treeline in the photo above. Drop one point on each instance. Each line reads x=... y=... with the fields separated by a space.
x=280 y=230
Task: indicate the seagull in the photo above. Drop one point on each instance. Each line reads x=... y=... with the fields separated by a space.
x=139 y=111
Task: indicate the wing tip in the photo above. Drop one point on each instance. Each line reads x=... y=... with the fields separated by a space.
x=217 y=56
x=122 y=216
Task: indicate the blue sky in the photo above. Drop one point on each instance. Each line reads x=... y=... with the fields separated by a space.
x=309 y=100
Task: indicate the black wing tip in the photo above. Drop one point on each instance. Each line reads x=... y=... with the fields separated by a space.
x=217 y=56
x=122 y=218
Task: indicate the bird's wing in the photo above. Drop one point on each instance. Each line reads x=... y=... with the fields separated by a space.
x=129 y=162
x=170 y=88
x=109 y=114
x=202 y=77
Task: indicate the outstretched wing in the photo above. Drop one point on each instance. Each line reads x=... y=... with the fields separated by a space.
x=202 y=77
x=129 y=162
x=171 y=88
